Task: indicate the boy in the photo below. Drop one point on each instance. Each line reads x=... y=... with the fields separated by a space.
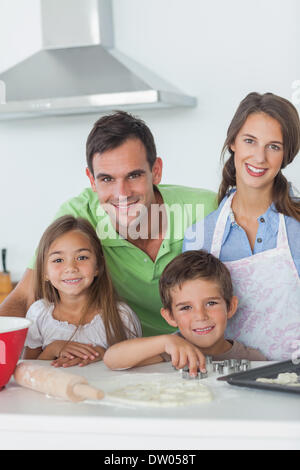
x=197 y=297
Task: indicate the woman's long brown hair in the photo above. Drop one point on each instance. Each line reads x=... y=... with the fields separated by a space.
x=101 y=294
x=287 y=115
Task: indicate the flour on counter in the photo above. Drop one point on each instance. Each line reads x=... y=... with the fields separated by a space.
x=287 y=378
x=162 y=393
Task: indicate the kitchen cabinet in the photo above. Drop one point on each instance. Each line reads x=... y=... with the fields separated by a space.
x=237 y=418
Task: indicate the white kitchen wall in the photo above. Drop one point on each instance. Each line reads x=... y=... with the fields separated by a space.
x=20 y=30
x=217 y=51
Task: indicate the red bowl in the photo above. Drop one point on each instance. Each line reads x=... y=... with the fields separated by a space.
x=13 y=331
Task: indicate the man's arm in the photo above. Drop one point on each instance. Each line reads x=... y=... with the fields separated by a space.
x=19 y=300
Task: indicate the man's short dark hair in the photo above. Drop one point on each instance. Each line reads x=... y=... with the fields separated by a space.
x=112 y=130
x=191 y=265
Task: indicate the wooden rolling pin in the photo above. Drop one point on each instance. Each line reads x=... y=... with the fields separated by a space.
x=55 y=382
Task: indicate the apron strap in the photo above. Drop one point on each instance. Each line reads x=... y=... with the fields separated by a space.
x=216 y=243
x=282 y=238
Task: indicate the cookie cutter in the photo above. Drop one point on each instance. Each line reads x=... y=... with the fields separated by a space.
x=227 y=367
x=185 y=374
x=218 y=367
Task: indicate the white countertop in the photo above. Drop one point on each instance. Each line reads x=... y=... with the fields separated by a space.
x=236 y=418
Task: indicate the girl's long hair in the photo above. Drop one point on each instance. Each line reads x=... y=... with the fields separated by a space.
x=286 y=114
x=101 y=294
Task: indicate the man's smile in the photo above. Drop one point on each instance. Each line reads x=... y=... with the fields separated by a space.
x=125 y=205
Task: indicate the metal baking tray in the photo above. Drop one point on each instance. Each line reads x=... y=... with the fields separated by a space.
x=248 y=378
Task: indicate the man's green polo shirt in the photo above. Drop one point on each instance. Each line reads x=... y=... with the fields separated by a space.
x=134 y=274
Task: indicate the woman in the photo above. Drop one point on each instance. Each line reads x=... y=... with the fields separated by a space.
x=256 y=229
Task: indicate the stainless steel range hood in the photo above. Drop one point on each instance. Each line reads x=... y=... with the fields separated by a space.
x=78 y=69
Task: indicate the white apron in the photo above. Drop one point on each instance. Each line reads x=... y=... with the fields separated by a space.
x=268 y=288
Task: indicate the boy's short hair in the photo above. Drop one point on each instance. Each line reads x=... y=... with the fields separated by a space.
x=191 y=265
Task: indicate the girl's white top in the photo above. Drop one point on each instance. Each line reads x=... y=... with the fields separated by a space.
x=45 y=329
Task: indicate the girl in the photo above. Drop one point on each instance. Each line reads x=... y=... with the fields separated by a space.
x=76 y=315
x=256 y=229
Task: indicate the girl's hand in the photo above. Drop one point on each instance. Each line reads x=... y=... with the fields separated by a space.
x=184 y=353
x=84 y=351
x=66 y=362
x=74 y=354
x=52 y=351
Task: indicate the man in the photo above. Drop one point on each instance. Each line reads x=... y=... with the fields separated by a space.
x=140 y=224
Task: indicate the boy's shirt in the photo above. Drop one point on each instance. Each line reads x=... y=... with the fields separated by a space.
x=239 y=351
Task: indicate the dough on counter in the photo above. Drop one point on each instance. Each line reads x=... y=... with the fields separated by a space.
x=162 y=393
x=287 y=378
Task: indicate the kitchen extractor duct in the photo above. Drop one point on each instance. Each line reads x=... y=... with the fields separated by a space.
x=78 y=69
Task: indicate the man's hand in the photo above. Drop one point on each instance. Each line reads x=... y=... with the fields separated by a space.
x=19 y=300
x=184 y=353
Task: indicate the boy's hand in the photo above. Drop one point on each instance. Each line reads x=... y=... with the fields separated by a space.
x=184 y=353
